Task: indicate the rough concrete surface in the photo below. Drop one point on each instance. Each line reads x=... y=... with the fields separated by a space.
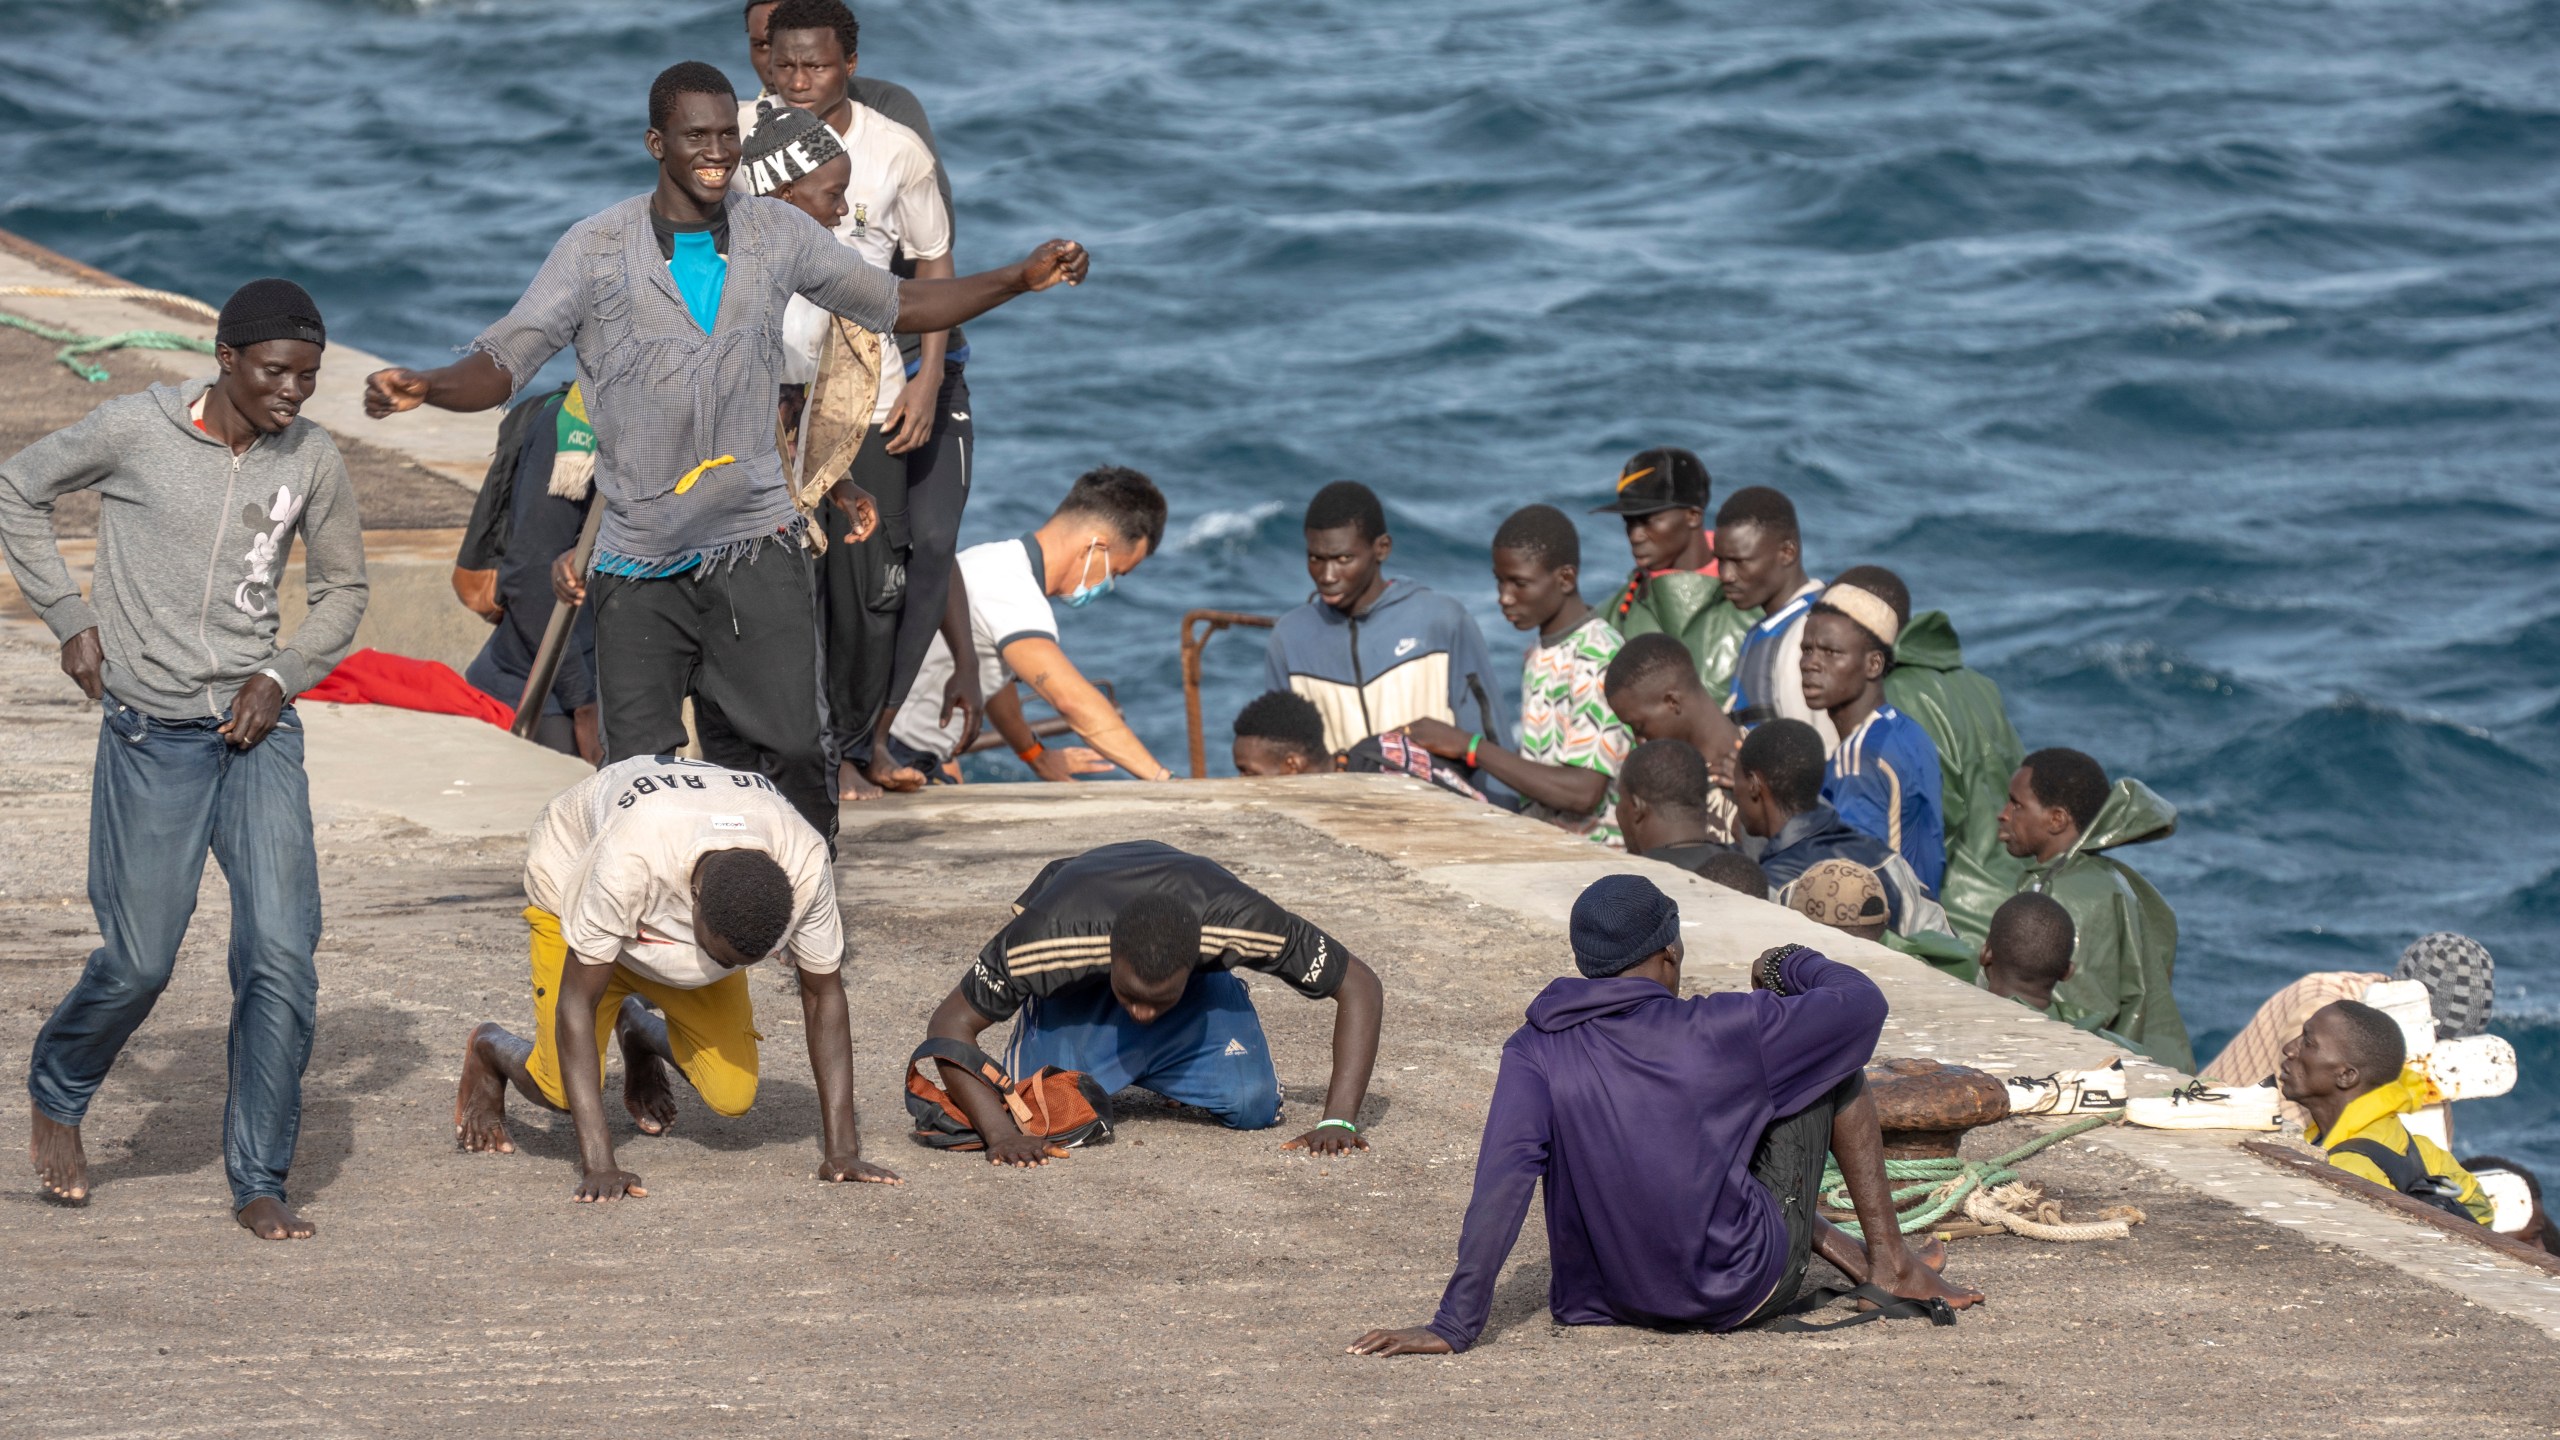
x=1187 y=1279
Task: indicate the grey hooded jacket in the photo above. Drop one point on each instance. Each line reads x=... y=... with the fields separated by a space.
x=191 y=540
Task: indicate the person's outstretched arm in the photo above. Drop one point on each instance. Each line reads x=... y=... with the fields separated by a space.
x=956 y=1019
x=506 y=355
x=830 y=1032
x=1358 y=1003
x=1508 y=1167
x=928 y=305
x=582 y=1082
x=1569 y=788
x=1048 y=671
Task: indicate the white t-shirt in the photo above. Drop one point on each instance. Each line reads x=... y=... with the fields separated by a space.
x=613 y=858
x=891 y=204
x=1008 y=600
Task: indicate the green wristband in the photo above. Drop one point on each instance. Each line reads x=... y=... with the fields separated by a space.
x=1338 y=1125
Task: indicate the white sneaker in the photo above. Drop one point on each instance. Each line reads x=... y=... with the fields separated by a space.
x=2068 y=1092
x=2205 y=1106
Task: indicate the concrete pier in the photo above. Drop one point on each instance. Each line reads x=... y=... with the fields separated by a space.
x=1186 y=1279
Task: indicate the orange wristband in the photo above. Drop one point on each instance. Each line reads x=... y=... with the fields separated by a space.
x=1035 y=752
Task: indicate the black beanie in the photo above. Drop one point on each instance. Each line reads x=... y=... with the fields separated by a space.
x=269 y=309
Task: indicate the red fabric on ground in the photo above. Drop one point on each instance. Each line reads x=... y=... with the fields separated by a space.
x=376 y=677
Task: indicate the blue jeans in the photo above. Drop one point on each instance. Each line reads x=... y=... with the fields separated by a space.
x=1207 y=1050
x=166 y=792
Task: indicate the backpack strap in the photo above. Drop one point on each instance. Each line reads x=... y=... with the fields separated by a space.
x=2406 y=1173
x=977 y=1062
x=1888 y=1307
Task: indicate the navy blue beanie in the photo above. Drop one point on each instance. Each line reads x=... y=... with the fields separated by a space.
x=1620 y=921
x=269 y=309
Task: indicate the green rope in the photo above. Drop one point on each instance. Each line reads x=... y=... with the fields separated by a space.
x=1945 y=1182
x=81 y=344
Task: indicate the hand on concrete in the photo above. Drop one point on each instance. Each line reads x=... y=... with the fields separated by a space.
x=1419 y=1340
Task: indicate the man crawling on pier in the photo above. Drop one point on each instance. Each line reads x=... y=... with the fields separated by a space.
x=1118 y=962
x=1681 y=1140
x=665 y=879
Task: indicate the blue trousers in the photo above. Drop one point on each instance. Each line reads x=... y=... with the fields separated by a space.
x=1207 y=1050
x=165 y=793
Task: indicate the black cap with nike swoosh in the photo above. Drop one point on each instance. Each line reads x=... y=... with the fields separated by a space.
x=1664 y=478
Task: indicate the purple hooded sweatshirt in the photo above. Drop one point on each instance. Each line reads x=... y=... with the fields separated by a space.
x=1641 y=1111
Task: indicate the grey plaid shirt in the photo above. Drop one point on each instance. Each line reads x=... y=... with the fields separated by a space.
x=663 y=396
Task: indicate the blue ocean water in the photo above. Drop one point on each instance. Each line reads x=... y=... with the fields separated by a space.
x=2196 y=357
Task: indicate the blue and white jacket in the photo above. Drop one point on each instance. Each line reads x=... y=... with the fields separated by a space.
x=1412 y=655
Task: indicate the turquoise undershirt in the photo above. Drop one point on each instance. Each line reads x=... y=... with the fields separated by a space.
x=700 y=271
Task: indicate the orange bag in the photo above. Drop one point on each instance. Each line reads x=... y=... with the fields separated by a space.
x=1065 y=1107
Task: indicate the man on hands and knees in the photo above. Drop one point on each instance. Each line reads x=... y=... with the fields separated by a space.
x=205 y=487
x=1680 y=1140
x=1883 y=775
x=653 y=886
x=1110 y=522
x=1654 y=688
x=2344 y=1068
x=1662 y=806
x=1778 y=790
x=1570 y=743
x=674 y=302
x=2061 y=818
x=1118 y=963
x=1375 y=654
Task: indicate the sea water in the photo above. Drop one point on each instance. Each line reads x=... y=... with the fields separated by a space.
x=2196 y=356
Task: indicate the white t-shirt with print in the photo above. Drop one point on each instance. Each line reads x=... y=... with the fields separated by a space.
x=613 y=858
x=891 y=204
x=1008 y=600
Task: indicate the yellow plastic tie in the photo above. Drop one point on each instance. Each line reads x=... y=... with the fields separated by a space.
x=696 y=472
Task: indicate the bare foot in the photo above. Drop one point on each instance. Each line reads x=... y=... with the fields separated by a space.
x=1931 y=1251
x=1918 y=1282
x=647 y=1092
x=62 y=1167
x=852 y=784
x=893 y=777
x=266 y=1218
x=479 y=1103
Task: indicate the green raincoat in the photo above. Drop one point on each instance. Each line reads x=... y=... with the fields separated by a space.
x=2126 y=949
x=1690 y=608
x=1978 y=751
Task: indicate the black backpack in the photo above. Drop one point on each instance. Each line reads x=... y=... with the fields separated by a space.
x=2408 y=1175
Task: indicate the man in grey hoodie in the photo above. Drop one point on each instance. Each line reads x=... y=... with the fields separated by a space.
x=202 y=487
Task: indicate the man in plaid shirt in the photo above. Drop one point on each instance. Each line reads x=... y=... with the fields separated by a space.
x=673 y=302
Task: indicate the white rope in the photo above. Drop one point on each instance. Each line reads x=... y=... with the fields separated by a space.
x=118 y=292
x=2021 y=1209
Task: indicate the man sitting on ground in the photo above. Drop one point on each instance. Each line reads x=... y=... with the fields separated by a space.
x=1118 y=963
x=1978 y=750
x=1653 y=687
x=1842 y=894
x=2345 y=1070
x=1778 y=790
x=1681 y=1140
x=2461 y=981
x=1375 y=654
x=1569 y=742
x=1662 y=496
x=2060 y=817
x=1761 y=557
x=665 y=879
x=1662 y=806
x=1883 y=775
x=1110 y=522
x=2028 y=951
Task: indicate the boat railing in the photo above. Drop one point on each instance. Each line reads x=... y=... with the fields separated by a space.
x=1192 y=644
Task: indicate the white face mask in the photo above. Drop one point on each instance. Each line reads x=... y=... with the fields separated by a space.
x=1086 y=591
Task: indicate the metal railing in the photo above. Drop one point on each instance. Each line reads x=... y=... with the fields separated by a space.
x=1192 y=645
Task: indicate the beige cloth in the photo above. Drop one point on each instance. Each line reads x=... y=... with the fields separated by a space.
x=2258 y=1049
x=835 y=419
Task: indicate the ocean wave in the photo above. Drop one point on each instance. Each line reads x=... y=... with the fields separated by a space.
x=1227 y=530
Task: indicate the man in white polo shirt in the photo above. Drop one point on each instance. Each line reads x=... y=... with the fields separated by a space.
x=1110 y=522
x=656 y=883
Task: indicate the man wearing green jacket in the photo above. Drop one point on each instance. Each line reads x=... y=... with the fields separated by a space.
x=1662 y=496
x=1978 y=751
x=2060 y=818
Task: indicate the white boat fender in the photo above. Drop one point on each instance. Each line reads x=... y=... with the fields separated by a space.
x=2510 y=1197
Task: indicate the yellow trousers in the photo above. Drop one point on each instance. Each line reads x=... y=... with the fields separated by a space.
x=711 y=1030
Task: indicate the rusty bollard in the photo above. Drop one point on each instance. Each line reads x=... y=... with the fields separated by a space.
x=1925 y=1107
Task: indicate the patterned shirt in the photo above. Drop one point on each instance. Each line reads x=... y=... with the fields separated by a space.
x=1565 y=717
